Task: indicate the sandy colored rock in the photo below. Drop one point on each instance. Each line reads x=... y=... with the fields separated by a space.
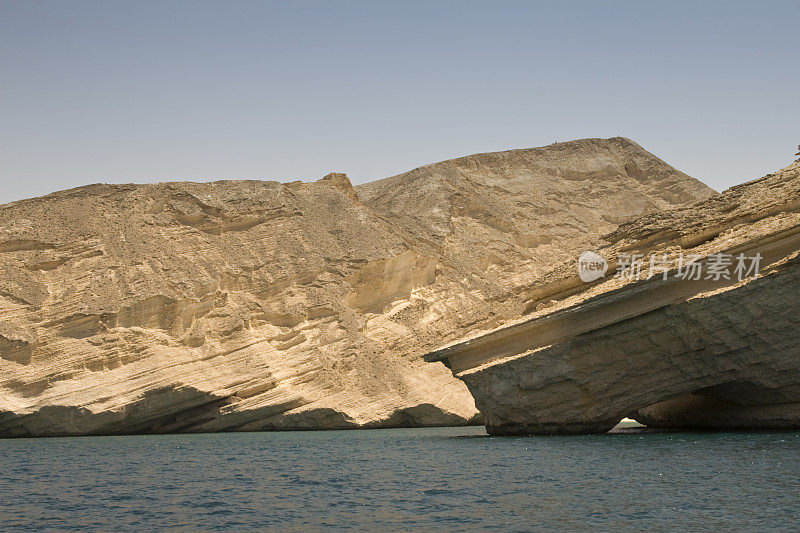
x=708 y=353
x=250 y=305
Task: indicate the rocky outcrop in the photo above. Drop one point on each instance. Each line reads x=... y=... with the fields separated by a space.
x=250 y=305
x=669 y=350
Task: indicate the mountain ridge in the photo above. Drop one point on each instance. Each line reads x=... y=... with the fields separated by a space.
x=251 y=305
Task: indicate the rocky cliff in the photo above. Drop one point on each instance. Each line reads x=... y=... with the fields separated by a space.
x=250 y=305
x=706 y=348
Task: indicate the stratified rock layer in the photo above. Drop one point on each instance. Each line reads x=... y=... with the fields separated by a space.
x=669 y=352
x=249 y=305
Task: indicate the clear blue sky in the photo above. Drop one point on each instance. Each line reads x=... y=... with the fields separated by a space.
x=119 y=92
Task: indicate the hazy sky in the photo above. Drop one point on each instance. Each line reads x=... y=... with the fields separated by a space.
x=149 y=91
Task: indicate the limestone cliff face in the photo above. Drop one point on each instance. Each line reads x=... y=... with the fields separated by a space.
x=708 y=353
x=248 y=305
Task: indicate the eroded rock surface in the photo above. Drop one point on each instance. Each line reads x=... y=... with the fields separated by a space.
x=671 y=353
x=249 y=305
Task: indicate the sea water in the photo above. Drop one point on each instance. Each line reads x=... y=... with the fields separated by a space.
x=387 y=480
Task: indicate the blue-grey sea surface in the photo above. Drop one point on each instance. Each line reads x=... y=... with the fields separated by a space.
x=393 y=480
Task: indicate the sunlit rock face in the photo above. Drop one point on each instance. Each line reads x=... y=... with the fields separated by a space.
x=250 y=305
x=670 y=352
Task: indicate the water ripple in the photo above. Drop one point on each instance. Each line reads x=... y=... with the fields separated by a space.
x=439 y=478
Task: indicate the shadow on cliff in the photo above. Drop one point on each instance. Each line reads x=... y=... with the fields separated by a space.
x=185 y=409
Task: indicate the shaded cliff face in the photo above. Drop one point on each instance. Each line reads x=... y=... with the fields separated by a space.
x=717 y=352
x=247 y=305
